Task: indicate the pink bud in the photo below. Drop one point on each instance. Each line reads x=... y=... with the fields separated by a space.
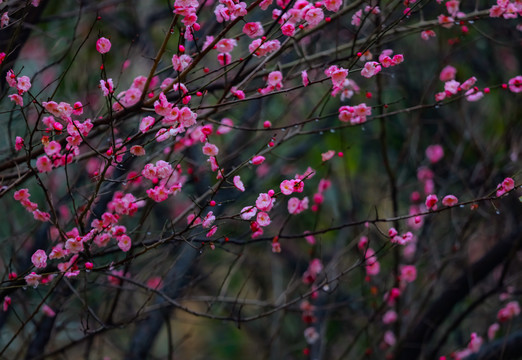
x=258 y=160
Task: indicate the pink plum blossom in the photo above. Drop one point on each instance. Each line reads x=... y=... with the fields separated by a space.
x=146 y=124
x=447 y=73
x=515 y=84
x=264 y=202
x=427 y=34
x=275 y=79
x=248 y=212
x=158 y=193
x=44 y=164
x=287 y=187
x=41 y=215
x=304 y=78
x=371 y=68
x=333 y=5
x=507 y=185
x=509 y=311
x=431 y=201
x=33 y=279
x=434 y=153
x=124 y=243
x=19 y=143
x=39 y=259
x=226 y=45
x=296 y=206
x=408 y=273
x=263 y=219
x=253 y=29
x=450 y=200
x=21 y=195
x=389 y=317
x=107 y=87
x=356 y=18
x=180 y=63
x=288 y=29
x=23 y=84
x=208 y=220
x=327 y=155
x=238 y=183
x=210 y=149
x=17 y=99
x=103 y=45
x=314 y=16
x=258 y=160
x=225 y=127
x=451 y=87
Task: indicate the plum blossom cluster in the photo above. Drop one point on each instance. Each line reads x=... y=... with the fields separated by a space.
x=357 y=17
x=408 y=239
x=295 y=205
x=308 y=317
x=274 y=82
x=23 y=196
x=505 y=314
x=132 y=95
x=260 y=47
x=224 y=47
x=474 y=345
x=508 y=312
x=103 y=230
x=338 y=76
x=505 y=186
x=403 y=239
x=180 y=63
x=309 y=277
x=265 y=202
x=303 y=14
x=169 y=180
x=453 y=87
x=371 y=264
x=228 y=10
x=187 y=9
x=386 y=59
x=314 y=268
x=453 y=10
x=207 y=222
x=354 y=114
x=21 y=83
x=506 y=9
x=55 y=154
x=177 y=119
x=318 y=198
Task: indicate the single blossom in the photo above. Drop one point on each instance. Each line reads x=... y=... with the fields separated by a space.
x=371 y=68
x=258 y=160
x=103 y=45
x=210 y=149
x=431 y=201
x=33 y=279
x=450 y=200
x=434 y=153
x=39 y=259
x=238 y=183
x=515 y=84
